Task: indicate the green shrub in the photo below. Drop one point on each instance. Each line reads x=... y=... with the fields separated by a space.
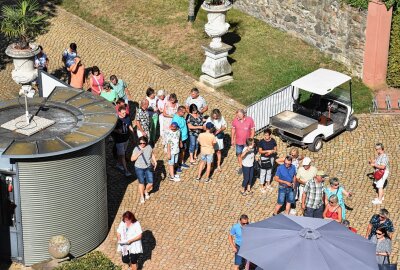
x=363 y=4
x=393 y=75
x=93 y=260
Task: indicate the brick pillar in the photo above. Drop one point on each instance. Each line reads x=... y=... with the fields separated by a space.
x=377 y=44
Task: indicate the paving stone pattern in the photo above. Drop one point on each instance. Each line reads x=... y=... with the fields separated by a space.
x=186 y=224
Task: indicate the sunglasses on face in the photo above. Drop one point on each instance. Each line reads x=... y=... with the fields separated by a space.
x=142 y=143
x=379 y=233
x=245 y=223
x=335 y=185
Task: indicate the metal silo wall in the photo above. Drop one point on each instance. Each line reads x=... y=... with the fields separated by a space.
x=64 y=195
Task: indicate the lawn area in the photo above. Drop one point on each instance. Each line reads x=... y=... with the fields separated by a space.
x=264 y=59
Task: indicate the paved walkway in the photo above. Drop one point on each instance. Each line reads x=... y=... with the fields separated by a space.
x=187 y=223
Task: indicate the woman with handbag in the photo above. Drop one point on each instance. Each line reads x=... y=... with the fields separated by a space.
x=96 y=81
x=145 y=164
x=195 y=124
x=267 y=149
x=383 y=245
x=129 y=235
x=381 y=171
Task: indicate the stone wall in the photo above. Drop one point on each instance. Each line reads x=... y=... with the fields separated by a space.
x=329 y=25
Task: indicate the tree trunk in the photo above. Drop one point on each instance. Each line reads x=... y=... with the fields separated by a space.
x=191 y=10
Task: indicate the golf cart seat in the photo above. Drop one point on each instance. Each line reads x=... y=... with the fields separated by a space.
x=300 y=109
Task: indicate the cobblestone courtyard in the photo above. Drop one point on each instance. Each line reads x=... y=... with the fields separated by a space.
x=187 y=223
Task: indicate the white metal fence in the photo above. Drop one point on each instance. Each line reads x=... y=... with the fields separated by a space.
x=279 y=101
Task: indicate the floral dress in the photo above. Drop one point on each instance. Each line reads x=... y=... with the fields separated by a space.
x=170 y=110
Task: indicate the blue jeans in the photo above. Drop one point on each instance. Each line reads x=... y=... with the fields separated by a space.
x=248 y=174
x=144 y=175
x=239 y=149
x=238 y=259
x=285 y=193
x=193 y=144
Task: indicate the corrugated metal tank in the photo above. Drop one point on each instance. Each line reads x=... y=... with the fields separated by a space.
x=64 y=194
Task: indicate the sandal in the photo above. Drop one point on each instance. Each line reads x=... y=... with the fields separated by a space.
x=193 y=163
x=243 y=193
x=198 y=179
x=249 y=192
x=219 y=169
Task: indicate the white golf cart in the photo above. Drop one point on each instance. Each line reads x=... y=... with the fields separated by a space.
x=321 y=110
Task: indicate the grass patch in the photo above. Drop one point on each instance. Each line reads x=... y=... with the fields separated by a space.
x=264 y=59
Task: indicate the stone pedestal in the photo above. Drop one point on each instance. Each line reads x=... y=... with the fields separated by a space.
x=216 y=66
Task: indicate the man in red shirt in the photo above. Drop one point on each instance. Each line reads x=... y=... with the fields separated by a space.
x=242 y=128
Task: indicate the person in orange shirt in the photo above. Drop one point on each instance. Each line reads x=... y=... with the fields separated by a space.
x=77 y=71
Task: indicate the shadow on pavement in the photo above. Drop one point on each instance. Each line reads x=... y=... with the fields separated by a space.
x=149 y=243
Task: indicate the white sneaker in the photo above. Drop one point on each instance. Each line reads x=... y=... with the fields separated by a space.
x=293 y=212
x=376 y=201
x=262 y=190
x=177 y=178
x=142 y=200
x=146 y=196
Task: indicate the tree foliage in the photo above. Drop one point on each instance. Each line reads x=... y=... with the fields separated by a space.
x=22 y=22
x=393 y=75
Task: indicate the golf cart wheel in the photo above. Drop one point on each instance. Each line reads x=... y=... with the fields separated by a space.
x=352 y=124
x=316 y=145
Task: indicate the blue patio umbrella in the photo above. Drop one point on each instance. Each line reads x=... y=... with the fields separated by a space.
x=286 y=242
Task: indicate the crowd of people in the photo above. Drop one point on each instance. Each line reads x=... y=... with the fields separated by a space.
x=191 y=137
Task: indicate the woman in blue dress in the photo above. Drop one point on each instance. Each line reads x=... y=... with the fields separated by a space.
x=335 y=189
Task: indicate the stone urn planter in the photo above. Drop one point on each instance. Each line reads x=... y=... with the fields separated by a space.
x=24 y=71
x=216 y=25
x=216 y=67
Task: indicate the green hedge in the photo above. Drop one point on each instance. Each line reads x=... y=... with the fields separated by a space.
x=363 y=4
x=393 y=75
x=93 y=260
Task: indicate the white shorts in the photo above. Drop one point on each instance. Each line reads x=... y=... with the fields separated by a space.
x=121 y=148
x=219 y=145
x=381 y=182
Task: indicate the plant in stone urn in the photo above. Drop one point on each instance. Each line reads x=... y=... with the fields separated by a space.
x=21 y=23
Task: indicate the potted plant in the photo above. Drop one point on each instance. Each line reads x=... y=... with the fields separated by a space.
x=216 y=25
x=21 y=23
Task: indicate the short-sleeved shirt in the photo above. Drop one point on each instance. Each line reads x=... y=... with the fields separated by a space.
x=69 y=57
x=144 y=160
x=182 y=126
x=218 y=123
x=200 y=102
x=243 y=129
x=207 y=141
x=267 y=145
x=382 y=246
x=194 y=121
x=382 y=159
x=172 y=138
x=375 y=222
x=236 y=231
x=315 y=193
x=248 y=159
x=119 y=88
x=152 y=105
x=286 y=174
x=128 y=233
x=41 y=61
x=143 y=117
x=123 y=125
x=110 y=95
x=306 y=175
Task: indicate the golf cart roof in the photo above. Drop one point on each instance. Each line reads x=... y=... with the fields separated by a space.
x=321 y=82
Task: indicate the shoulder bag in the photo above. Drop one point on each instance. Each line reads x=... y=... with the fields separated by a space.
x=388 y=265
x=378 y=174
